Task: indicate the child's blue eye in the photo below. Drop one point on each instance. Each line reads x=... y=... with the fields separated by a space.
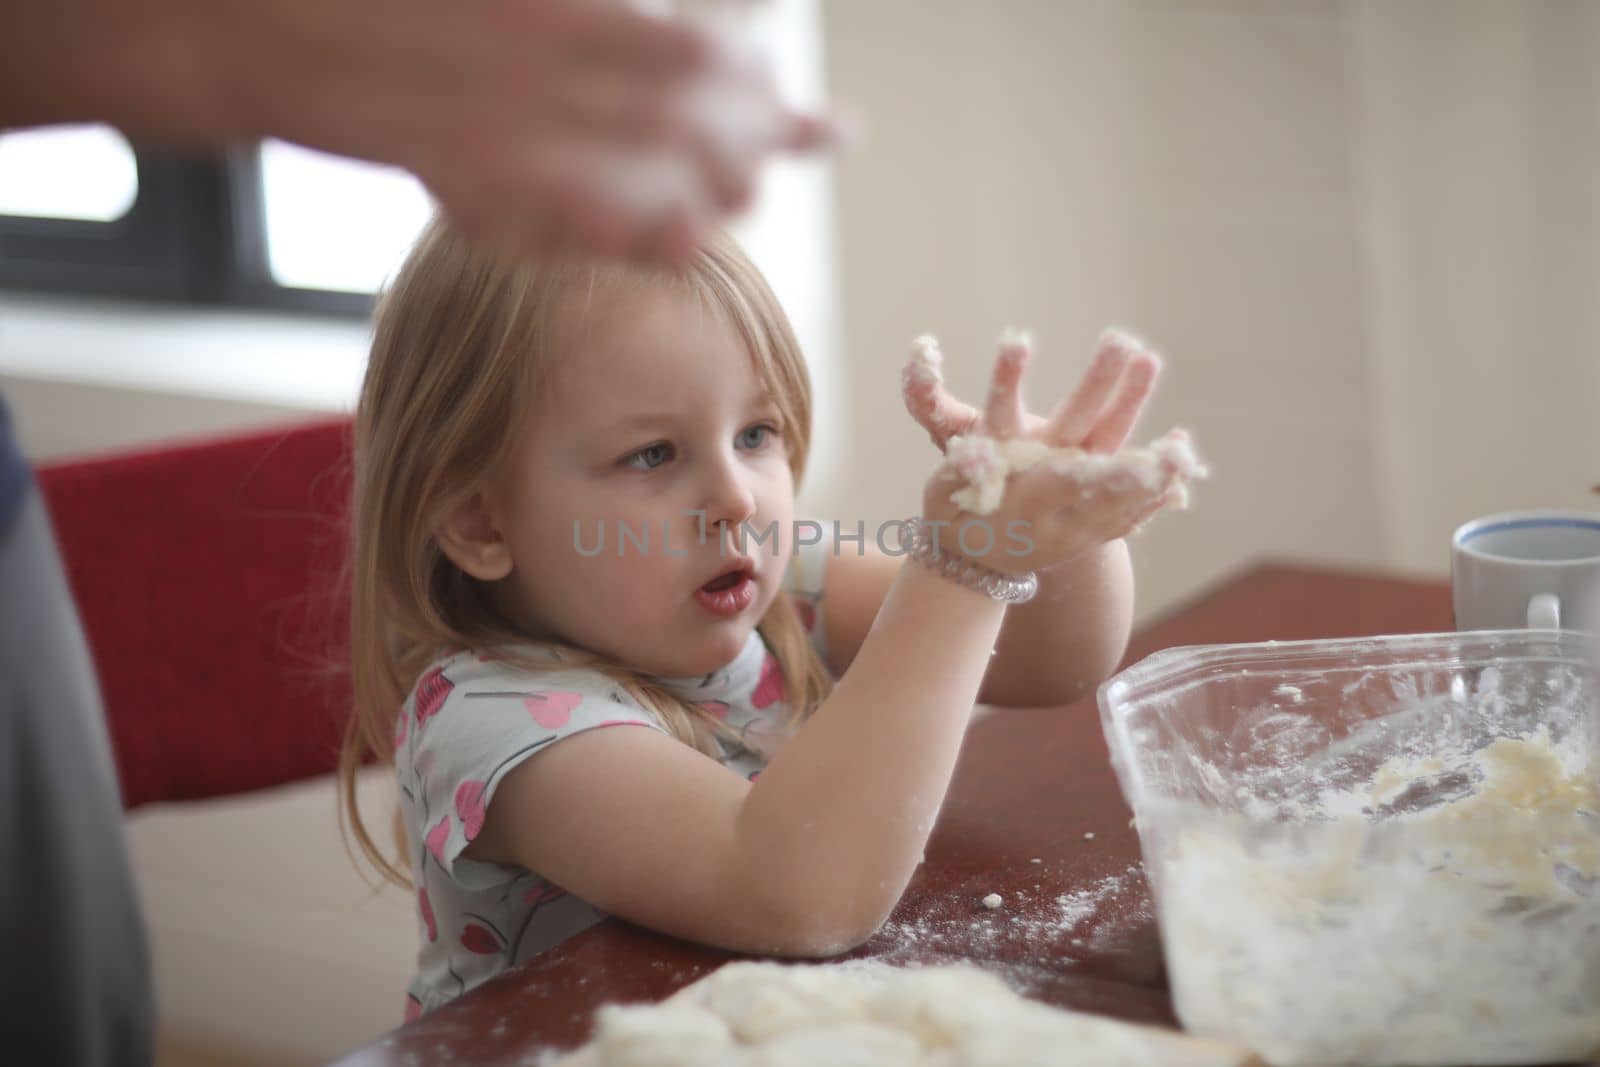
x=644 y=453
x=763 y=429
x=650 y=457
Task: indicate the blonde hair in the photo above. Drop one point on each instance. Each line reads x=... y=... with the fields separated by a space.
x=460 y=342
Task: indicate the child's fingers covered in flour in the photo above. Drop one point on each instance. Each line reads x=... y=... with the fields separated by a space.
x=1097 y=415
x=1047 y=514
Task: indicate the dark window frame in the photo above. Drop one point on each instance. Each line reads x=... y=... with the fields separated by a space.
x=195 y=235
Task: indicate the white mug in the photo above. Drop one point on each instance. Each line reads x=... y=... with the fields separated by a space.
x=1536 y=569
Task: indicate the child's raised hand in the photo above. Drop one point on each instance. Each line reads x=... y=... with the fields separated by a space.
x=1057 y=481
x=1097 y=416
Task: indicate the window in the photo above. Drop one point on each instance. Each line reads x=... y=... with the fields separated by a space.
x=83 y=211
x=71 y=172
x=334 y=223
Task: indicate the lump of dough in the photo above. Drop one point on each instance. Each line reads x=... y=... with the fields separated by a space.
x=856 y=1044
x=1169 y=462
x=666 y=1035
x=1037 y=1036
x=762 y=1014
x=942 y=1005
x=760 y=1001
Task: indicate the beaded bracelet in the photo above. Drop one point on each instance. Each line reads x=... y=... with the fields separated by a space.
x=1010 y=589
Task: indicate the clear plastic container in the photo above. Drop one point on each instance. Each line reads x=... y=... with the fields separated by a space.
x=1373 y=851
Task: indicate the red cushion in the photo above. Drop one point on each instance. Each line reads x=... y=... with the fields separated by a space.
x=207 y=576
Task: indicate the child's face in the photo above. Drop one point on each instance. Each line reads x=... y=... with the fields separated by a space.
x=707 y=441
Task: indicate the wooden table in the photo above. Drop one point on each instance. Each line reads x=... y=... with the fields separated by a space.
x=1034 y=814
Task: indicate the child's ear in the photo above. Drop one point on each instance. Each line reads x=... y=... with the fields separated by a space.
x=468 y=534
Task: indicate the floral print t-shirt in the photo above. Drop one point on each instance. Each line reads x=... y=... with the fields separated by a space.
x=471 y=719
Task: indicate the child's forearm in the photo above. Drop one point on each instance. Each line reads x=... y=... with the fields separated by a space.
x=832 y=830
x=1067 y=639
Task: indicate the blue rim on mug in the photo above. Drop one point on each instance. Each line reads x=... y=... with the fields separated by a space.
x=1532 y=519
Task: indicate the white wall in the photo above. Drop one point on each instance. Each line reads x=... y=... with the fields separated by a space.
x=91 y=375
x=1481 y=218
x=1362 y=234
x=1180 y=170
x=57 y=420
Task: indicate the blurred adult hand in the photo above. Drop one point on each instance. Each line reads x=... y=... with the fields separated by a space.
x=539 y=125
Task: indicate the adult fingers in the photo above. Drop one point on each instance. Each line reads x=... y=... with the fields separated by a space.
x=569 y=196
x=616 y=35
x=817 y=133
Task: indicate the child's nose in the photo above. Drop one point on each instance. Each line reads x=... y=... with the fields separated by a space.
x=730 y=498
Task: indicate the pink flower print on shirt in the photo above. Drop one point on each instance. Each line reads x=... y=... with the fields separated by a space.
x=432 y=689
x=401 y=722
x=425 y=906
x=552 y=710
x=481 y=938
x=469 y=807
x=769 y=690
x=424 y=762
x=437 y=837
x=717 y=709
x=763 y=735
x=542 y=895
x=413 y=1008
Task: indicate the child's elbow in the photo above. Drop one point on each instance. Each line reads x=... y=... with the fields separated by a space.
x=818 y=908
x=1096 y=666
x=1102 y=670
x=824 y=940
x=812 y=932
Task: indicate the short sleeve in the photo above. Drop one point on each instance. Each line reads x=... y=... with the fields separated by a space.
x=804 y=580
x=475 y=721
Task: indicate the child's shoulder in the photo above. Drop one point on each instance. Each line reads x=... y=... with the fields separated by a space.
x=530 y=664
x=532 y=687
x=474 y=716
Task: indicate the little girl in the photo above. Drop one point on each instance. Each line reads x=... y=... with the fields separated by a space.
x=577 y=578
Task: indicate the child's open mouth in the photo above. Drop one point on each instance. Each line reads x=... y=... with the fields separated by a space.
x=729 y=593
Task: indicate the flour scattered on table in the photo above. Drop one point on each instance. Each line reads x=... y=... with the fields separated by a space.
x=1080 y=904
x=866 y=1014
x=1046 y=929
